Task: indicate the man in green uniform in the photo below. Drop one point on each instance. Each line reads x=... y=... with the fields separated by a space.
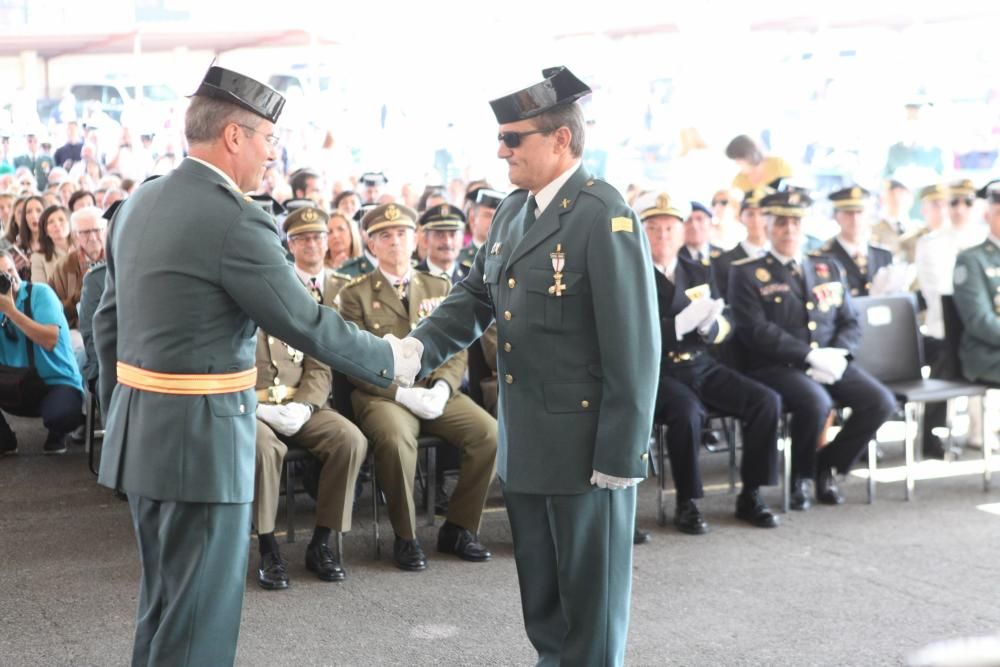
x=977 y=297
x=481 y=212
x=292 y=395
x=193 y=267
x=391 y=301
x=566 y=274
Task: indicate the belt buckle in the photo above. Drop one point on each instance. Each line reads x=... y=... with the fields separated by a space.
x=277 y=394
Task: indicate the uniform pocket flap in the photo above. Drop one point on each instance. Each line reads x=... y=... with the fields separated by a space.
x=572 y=396
x=491 y=270
x=540 y=280
x=232 y=405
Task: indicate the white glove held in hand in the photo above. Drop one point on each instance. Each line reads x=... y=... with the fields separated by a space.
x=602 y=481
x=424 y=403
x=706 y=324
x=830 y=360
x=284 y=419
x=405 y=359
x=821 y=376
x=693 y=314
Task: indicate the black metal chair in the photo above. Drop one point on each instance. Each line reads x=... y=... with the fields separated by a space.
x=91 y=433
x=892 y=351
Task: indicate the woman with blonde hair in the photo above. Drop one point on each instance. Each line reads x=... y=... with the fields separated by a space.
x=343 y=241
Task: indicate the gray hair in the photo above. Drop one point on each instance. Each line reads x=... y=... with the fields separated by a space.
x=569 y=116
x=87 y=212
x=207 y=116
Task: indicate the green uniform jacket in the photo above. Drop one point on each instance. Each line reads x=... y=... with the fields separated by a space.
x=372 y=303
x=193 y=268
x=977 y=297
x=578 y=372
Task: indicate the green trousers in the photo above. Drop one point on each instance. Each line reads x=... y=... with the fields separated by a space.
x=194 y=566
x=574 y=566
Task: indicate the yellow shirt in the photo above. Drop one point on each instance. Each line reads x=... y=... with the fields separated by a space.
x=774 y=167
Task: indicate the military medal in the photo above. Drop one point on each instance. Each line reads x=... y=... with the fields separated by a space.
x=558 y=261
x=294 y=354
x=822 y=270
x=762 y=274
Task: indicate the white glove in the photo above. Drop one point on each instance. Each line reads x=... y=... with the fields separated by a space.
x=693 y=314
x=602 y=481
x=706 y=324
x=830 y=360
x=820 y=376
x=405 y=359
x=893 y=279
x=439 y=394
x=424 y=403
x=284 y=419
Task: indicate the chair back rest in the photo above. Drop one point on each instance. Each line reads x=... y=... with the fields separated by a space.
x=478 y=371
x=953 y=328
x=342 y=389
x=891 y=348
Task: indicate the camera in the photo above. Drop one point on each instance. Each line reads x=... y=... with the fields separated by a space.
x=4 y=283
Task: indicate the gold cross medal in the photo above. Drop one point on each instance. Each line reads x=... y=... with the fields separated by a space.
x=558 y=261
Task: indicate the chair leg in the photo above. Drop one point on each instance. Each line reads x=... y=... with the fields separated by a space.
x=786 y=465
x=340 y=546
x=987 y=447
x=375 y=526
x=908 y=447
x=731 y=430
x=872 y=463
x=431 y=488
x=661 y=493
x=289 y=503
x=89 y=431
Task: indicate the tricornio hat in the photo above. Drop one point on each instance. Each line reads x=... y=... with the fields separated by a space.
x=230 y=86
x=559 y=87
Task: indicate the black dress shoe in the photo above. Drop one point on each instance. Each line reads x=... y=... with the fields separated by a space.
x=453 y=539
x=272 y=575
x=408 y=555
x=55 y=443
x=688 y=519
x=934 y=447
x=798 y=497
x=827 y=491
x=8 y=444
x=320 y=559
x=641 y=536
x=750 y=507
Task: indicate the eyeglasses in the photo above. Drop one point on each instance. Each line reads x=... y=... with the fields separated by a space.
x=955 y=202
x=720 y=202
x=513 y=139
x=271 y=139
x=315 y=237
x=88 y=232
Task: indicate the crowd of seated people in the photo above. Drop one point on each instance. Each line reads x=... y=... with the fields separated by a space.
x=751 y=330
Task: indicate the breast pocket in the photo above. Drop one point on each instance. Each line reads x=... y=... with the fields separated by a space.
x=552 y=311
x=492 y=269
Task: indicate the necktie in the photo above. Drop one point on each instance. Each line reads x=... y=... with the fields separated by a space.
x=314 y=290
x=861 y=259
x=529 y=213
x=401 y=292
x=798 y=284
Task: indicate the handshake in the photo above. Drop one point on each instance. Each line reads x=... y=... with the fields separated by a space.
x=698 y=315
x=827 y=364
x=406 y=355
x=424 y=403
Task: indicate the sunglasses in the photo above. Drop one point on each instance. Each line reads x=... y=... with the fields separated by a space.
x=513 y=139
x=720 y=202
x=956 y=202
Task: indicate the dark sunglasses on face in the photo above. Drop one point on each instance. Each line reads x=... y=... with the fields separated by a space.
x=513 y=139
x=720 y=202
x=955 y=202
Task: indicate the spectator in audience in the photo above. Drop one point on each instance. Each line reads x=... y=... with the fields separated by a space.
x=393 y=299
x=754 y=245
x=70 y=152
x=37 y=161
x=6 y=210
x=90 y=296
x=977 y=298
x=111 y=196
x=55 y=241
x=80 y=199
x=442 y=228
x=347 y=203
x=26 y=181
x=756 y=170
x=481 y=213
x=41 y=339
x=697 y=247
x=725 y=230
x=894 y=223
x=967 y=231
x=371 y=183
x=306 y=184
x=12 y=225
x=67 y=278
x=691 y=322
x=27 y=234
x=343 y=241
x=861 y=260
x=795 y=315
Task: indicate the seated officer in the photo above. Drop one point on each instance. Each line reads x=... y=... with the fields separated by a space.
x=794 y=314
x=754 y=245
x=691 y=320
x=392 y=300
x=696 y=236
x=851 y=248
x=977 y=297
x=306 y=229
x=442 y=227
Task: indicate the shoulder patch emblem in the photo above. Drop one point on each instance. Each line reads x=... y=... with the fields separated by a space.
x=622 y=224
x=762 y=274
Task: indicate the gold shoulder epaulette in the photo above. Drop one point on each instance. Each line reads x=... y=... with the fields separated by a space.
x=341 y=276
x=357 y=281
x=745 y=260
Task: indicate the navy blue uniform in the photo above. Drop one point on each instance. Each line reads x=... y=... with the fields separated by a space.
x=457 y=274
x=721 y=266
x=780 y=319
x=859 y=275
x=691 y=379
x=714 y=252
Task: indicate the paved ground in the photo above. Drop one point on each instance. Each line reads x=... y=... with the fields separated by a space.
x=856 y=585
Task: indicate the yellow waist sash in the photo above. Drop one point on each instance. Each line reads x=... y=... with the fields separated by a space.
x=186 y=384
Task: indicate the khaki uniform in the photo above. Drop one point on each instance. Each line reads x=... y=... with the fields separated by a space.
x=488 y=341
x=284 y=372
x=374 y=305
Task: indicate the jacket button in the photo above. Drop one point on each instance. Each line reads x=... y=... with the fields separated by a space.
x=777 y=299
x=376 y=326
x=645 y=456
x=810 y=305
x=507 y=315
x=507 y=347
x=277 y=381
x=584 y=404
x=508 y=378
x=811 y=326
x=814 y=345
x=512 y=283
x=270 y=340
x=385 y=371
